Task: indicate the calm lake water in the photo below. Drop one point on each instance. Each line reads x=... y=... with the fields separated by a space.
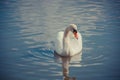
x=28 y=29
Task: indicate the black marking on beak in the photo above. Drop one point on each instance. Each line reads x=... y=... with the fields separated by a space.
x=74 y=31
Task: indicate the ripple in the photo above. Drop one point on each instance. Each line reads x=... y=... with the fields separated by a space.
x=41 y=53
x=29 y=27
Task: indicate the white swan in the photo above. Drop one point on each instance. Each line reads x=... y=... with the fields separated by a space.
x=69 y=42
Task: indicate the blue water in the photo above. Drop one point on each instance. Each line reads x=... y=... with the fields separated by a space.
x=28 y=29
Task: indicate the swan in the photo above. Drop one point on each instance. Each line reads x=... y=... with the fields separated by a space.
x=68 y=42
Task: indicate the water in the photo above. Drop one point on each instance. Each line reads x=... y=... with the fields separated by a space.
x=28 y=28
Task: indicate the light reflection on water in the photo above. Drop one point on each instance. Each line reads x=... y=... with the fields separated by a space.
x=28 y=28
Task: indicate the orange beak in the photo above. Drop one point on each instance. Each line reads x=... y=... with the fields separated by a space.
x=76 y=35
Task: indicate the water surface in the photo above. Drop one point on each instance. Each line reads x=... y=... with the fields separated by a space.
x=28 y=28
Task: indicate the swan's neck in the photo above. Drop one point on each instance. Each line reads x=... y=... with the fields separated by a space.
x=66 y=43
x=66 y=47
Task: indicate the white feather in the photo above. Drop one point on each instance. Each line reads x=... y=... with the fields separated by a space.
x=72 y=46
x=59 y=42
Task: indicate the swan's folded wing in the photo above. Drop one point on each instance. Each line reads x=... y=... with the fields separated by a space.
x=59 y=42
x=76 y=45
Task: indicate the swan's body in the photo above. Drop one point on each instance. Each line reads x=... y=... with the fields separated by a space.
x=69 y=42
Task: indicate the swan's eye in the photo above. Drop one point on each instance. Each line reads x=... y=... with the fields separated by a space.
x=74 y=31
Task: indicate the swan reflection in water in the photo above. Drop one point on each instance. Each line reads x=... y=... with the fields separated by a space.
x=66 y=61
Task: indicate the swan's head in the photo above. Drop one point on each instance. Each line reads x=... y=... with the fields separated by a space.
x=73 y=29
